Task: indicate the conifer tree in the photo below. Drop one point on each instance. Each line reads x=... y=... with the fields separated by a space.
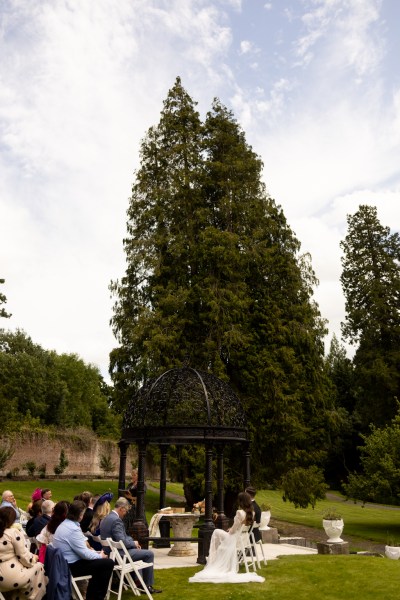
x=214 y=273
x=371 y=284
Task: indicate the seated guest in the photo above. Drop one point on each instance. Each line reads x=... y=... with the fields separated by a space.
x=87 y=499
x=81 y=560
x=45 y=537
x=36 y=495
x=20 y=573
x=46 y=494
x=9 y=500
x=41 y=520
x=35 y=511
x=113 y=527
x=101 y=509
x=59 y=513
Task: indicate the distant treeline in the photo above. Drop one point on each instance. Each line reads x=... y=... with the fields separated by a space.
x=40 y=388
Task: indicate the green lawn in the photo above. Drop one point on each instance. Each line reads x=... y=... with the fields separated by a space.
x=295 y=578
x=372 y=522
x=289 y=578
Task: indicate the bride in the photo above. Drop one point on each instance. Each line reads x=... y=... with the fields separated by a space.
x=221 y=564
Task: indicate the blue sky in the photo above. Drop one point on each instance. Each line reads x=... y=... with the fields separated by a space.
x=315 y=84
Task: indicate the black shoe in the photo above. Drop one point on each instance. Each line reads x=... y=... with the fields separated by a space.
x=150 y=588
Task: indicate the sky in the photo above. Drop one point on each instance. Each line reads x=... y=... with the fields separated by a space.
x=315 y=85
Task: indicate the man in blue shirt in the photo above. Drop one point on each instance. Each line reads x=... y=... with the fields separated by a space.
x=81 y=560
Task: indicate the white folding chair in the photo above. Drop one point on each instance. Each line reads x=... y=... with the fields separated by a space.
x=76 y=592
x=245 y=550
x=124 y=567
x=256 y=545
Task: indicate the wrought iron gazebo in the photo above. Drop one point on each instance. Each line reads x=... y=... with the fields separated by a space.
x=184 y=406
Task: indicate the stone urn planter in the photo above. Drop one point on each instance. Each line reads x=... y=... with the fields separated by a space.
x=392 y=552
x=333 y=524
x=265 y=517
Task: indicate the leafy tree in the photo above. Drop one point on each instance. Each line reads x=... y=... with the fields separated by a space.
x=51 y=389
x=214 y=274
x=371 y=284
x=3 y=300
x=380 y=459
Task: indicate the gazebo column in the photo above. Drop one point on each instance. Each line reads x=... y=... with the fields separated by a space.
x=246 y=465
x=140 y=529
x=123 y=450
x=222 y=521
x=164 y=524
x=206 y=530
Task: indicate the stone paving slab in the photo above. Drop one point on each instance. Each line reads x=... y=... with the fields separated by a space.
x=271 y=551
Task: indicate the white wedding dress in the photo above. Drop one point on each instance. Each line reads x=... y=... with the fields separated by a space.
x=221 y=564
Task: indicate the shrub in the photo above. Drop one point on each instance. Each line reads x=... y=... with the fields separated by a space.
x=62 y=463
x=304 y=486
x=30 y=467
x=106 y=463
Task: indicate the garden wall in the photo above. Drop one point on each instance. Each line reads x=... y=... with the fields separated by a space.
x=81 y=448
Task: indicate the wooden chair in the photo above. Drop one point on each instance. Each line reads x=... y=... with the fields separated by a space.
x=125 y=567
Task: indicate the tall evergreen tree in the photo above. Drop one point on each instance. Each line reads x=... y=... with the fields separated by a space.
x=213 y=273
x=371 y=284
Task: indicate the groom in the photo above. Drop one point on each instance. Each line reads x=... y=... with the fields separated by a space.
x=257 y=512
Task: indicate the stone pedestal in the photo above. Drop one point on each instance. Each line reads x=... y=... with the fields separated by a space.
x=333 y=548
x=182 y=526
x=269 y=536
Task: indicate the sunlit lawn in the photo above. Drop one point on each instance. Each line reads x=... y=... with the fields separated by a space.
x=352 y=577
x=295 y=578
x=372 y=522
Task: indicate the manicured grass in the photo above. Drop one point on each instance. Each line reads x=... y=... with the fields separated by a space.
x=372 y=522
x=68 y=488
x=295 y=578
x=289 y=578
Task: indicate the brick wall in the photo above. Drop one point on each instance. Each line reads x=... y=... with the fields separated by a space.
x=82 y=450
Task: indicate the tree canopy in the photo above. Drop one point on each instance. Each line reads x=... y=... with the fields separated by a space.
x=214 y=276
x=42 y=387
x=371 y=284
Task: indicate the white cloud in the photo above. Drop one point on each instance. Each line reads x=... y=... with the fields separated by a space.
x=80 y=83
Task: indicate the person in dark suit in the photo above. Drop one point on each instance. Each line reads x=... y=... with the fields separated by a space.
x=257 y=512
x=112 y=527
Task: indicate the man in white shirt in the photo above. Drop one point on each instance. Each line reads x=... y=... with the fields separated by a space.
x=81 y=560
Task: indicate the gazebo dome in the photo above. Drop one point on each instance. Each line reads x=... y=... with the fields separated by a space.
x=185 y=402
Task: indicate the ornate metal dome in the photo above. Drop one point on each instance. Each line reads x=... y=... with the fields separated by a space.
x=184 y=403
x=185 y=396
